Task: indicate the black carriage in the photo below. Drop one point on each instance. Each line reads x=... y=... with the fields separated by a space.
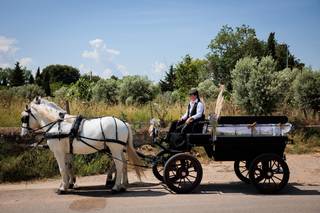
x=256 y=146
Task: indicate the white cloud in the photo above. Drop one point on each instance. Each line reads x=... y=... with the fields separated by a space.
x=97 y=43
x=7 y=45
x=102 y=59
x=113 y=51
x=24 y=62
x=159 y=68
x=99 y=51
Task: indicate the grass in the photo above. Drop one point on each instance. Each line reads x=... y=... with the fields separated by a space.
x=20 y=164
x=17 y=163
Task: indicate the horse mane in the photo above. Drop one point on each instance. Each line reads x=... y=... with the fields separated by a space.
x=52 y=105
x=43 y=111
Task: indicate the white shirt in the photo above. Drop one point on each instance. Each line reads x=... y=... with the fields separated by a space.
x=200 y=110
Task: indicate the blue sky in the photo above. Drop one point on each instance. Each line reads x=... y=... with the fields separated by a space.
x=144 y=37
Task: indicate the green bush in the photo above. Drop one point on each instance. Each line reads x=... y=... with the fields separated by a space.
x=28 y=91
x=240 y=78
x=61 y=93
x=208 y=89
x=136 y=90
x=82 y=90
x=284 y=85
x=255 y=85
x=18 y=163
x=307 y=90
x=106 y=91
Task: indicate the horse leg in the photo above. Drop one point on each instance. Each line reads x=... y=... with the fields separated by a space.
x=116 y=151
x=111 y=174
x=61 y=159
x=125 y=172
x=70 y=171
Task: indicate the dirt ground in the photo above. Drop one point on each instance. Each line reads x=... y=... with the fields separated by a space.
x=219 y=188
x=304 y=169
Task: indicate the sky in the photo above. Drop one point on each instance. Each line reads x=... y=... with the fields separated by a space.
x=144 y=37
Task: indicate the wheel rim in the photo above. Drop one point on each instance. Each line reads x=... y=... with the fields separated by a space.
x=182 y=175
x=241 y=169
x=270 y=175
x=158 y=166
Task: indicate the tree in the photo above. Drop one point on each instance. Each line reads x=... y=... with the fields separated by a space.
x=92 y=78
x=228 y=47
x=254 y=85
x=168 y=83
x=187 y=74
x=28 y=76
x=82 y=89
x=307 y=91
x=16 y=77
x=208 y=89
x=38 y=79
x=4 y=76
x=61 y=73
x=46 y=83
x=106 y=91
x=271 y=46
x=240 y=78
x=31 y=79
x=136 y=90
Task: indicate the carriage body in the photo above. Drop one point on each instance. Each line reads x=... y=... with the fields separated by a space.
x=256 y=144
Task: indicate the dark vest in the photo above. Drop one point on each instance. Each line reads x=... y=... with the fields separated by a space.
x=194 y=111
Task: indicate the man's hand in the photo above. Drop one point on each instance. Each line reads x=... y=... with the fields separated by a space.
x=189 y=120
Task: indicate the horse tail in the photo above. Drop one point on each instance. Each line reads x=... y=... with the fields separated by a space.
x=132 y=155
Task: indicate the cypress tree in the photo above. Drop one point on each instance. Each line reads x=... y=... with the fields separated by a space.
x=17 y=77
x=31 y=79
x=38 y=77
x=168 y=83
x=46 y=84
x=271 y=46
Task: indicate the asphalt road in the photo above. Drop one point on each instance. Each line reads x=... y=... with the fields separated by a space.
x=220 y=191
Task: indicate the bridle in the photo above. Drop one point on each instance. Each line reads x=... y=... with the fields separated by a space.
x=26 y=119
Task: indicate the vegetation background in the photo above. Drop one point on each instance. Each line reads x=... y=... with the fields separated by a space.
x=261 y=78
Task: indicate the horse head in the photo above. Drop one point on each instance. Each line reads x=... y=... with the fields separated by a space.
x=154 y=127
x=29 y=120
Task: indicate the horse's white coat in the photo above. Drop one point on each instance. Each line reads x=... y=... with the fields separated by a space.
x=45 y=112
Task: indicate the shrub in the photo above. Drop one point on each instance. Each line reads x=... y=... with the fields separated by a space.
x=136 y=90
x=82 y=90
x=254 y=85
x=29 y=91
x=106 y=91
x=208 y=89
x=306 y=89
x=61 y=93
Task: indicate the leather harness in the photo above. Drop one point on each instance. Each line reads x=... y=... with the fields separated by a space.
x=75 y=134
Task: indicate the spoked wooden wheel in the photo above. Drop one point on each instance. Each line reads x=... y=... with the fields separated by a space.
x=158 y=165
x=182 y=173
x=269 y=173
x=241 y=168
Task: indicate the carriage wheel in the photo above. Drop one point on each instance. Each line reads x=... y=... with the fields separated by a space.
x=159 y=163
x=269 y=173
x=182 y=173
x=241 y=168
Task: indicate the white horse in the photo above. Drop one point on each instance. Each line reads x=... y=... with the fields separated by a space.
x=43 y=115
